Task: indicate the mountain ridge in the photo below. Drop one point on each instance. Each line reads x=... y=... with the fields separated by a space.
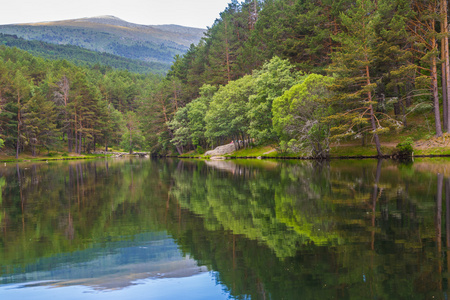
x=110 y=34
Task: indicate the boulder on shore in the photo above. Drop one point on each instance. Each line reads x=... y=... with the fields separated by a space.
x=221 y=150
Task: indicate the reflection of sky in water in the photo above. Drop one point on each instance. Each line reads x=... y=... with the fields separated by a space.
x=146 y=266
x=202 y=286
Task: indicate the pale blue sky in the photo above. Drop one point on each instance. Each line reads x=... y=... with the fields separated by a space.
x=193 y=13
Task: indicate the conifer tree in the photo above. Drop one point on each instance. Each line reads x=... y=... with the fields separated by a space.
x=423 y=29
x=352 y=63
x=21 y=88
x=40 y=117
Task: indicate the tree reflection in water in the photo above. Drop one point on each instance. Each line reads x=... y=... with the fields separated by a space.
x=271 y=229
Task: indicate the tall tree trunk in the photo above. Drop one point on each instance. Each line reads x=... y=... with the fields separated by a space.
x=434 y=86
x=81 y=139
x=372 y=115
x=444 y=94
x=70 y=138
x=75 y=132
x=18 y=126
x=65 y=86
x=131 y=141
x=434 y=89
x=445 y=65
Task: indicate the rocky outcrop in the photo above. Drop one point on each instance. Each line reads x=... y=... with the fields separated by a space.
x=221 y=150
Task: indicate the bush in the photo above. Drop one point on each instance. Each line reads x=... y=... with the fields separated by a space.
x=52 y=154
x=405 y=148
x=200 y=150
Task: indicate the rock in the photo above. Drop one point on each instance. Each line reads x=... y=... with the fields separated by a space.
x=221 y=150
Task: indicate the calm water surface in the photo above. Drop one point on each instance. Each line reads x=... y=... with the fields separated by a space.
x=171 y=229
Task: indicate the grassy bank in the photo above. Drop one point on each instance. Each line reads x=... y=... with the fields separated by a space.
x=26 y=157
x=424 y=147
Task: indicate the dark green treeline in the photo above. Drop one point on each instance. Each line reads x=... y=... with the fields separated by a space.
x=384 y=62
x=296 y=74
x=55 y=105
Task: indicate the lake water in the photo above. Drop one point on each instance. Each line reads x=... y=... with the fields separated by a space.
x=249 y=229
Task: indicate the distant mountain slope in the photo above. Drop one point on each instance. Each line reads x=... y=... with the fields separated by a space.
x=81 y=56
x=150 y=43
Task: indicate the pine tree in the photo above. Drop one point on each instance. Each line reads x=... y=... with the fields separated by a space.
x=355 y=86
x=40 y=118
x=20 y=88
x=423 y=29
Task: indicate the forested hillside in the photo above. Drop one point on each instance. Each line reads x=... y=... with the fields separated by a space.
x=149 y=43
x=298 y=75
x=57 y=106
x=82 y=57
x=304 y=74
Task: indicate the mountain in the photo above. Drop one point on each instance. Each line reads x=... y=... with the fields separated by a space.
x=149 y=43
x=83 y=57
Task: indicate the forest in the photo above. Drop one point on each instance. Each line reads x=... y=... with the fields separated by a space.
x=300 y=75
x=81 y=56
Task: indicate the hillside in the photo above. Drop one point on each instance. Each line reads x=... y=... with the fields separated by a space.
x=81 y=56
x=149 y=43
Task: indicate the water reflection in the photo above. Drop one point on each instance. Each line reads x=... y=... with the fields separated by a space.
x=263 y=229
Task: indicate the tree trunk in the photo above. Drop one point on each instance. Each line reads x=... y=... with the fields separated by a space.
x=131 y=141
x=80 y=134
x=446 y=66
x=375 y=136
x=434 y=89
x=372 y=115
x=18 y=127
x=75 y=132
x=69 y=139
x=444 y=97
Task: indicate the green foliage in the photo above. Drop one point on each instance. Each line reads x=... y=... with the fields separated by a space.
x=298 y=116
x=233 y=85
x=196 y=114
x=200 y=150
x=227 y=114
x=132 y=139
x=179 y=127
x=274 y=78
x=405 y=148
x=49 y=105
x=83 y=57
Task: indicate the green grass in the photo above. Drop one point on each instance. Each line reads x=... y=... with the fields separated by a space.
x=251 y=152
x=53 y=157
x=358 y=151
x=432 y=152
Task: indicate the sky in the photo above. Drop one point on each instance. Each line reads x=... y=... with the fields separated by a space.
x=191 y=13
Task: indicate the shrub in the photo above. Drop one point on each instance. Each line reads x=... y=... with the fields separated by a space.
x=200 y=150
x=405 y=148
x=52 y=154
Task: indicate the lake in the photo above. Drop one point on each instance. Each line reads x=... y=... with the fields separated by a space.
x=235 y=229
